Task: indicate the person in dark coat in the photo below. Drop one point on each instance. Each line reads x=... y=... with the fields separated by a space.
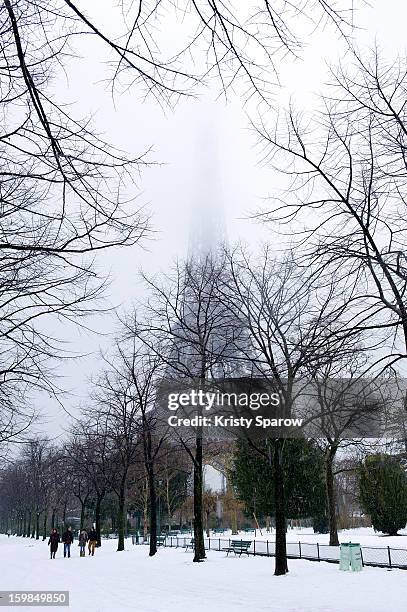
x=53 y=542
x=67 y=538
x=83 y=538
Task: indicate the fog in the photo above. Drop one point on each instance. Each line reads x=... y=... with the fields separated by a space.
x=206 y=179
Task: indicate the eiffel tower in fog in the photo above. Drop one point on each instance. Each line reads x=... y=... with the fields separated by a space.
x=205 y=261
x=207 y=232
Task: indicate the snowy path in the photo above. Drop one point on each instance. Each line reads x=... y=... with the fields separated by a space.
x=169 y=582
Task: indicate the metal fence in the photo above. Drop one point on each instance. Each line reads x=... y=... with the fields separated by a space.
x=387 y=557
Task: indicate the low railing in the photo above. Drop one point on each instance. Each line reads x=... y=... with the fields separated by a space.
x=387 y=556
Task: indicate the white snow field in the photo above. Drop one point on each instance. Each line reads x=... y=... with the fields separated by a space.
x=171 y=582
x=366 y=536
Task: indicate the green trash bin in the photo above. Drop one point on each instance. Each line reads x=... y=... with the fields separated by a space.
x=350 y=557
x=355 y=557
x=344 y=559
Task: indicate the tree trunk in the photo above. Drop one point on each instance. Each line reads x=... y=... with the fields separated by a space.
x=83 y=504
x=152 y=495
x=44 y=526
x=97 y=519
x=28 y=530
x=37 y=526
x=257 y=523
x=153 y=511
x=53 y=519
x=330 y=494
x=199 y=543
x=121 y=514
x=281 y=567
x=234 y=521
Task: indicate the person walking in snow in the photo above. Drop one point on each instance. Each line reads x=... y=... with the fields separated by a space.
x=92 y=541
x=53 y=542
x=83 y=538
x=67 y=538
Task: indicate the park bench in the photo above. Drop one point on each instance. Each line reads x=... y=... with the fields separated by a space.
x=189 y=544
x=160 y=540
x=238 y=547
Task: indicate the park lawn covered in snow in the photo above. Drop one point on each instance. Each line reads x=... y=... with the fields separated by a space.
x=171 y=582
x=366 y=536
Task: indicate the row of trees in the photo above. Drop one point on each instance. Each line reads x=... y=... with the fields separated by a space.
x=79 y=483
x=329 y=311
x=66 y=194
x=379 y=485
x=224 y=316
x=227 y=314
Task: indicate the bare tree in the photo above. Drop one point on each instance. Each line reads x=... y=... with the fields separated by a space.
x=89 y=456
x=186 y=325
x=348 y=399
x=293 y=320
x=114 y=404
x=143 y=372
x=37 y=459
x=65 y=195
x=348 y=190
x=228 y=40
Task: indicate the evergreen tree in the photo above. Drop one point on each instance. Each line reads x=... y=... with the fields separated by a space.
x=252 y=478
x=383 y=492
x=320 y=523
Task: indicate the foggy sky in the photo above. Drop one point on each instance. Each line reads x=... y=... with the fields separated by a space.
x=207 y=160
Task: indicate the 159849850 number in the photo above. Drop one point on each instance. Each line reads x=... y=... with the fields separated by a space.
x=34 y=598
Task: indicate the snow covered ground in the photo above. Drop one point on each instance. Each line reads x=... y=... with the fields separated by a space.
x=365 y=536
x=169 y=582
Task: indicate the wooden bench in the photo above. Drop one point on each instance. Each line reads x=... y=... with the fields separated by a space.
x=190 y=544
x=238 y=547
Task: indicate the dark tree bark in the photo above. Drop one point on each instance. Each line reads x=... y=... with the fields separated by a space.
x=44 y=526
x=152 y=512
x=97 y=519
x=28 y=528
x=37 y=526
x=121 y=513
x=199 y=544
x=281 y=567
x=83 y=508
x=64 y=513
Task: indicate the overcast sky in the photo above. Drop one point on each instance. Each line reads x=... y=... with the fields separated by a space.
x=208 y=159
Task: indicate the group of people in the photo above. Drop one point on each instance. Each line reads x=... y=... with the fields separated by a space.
x=85 y=537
